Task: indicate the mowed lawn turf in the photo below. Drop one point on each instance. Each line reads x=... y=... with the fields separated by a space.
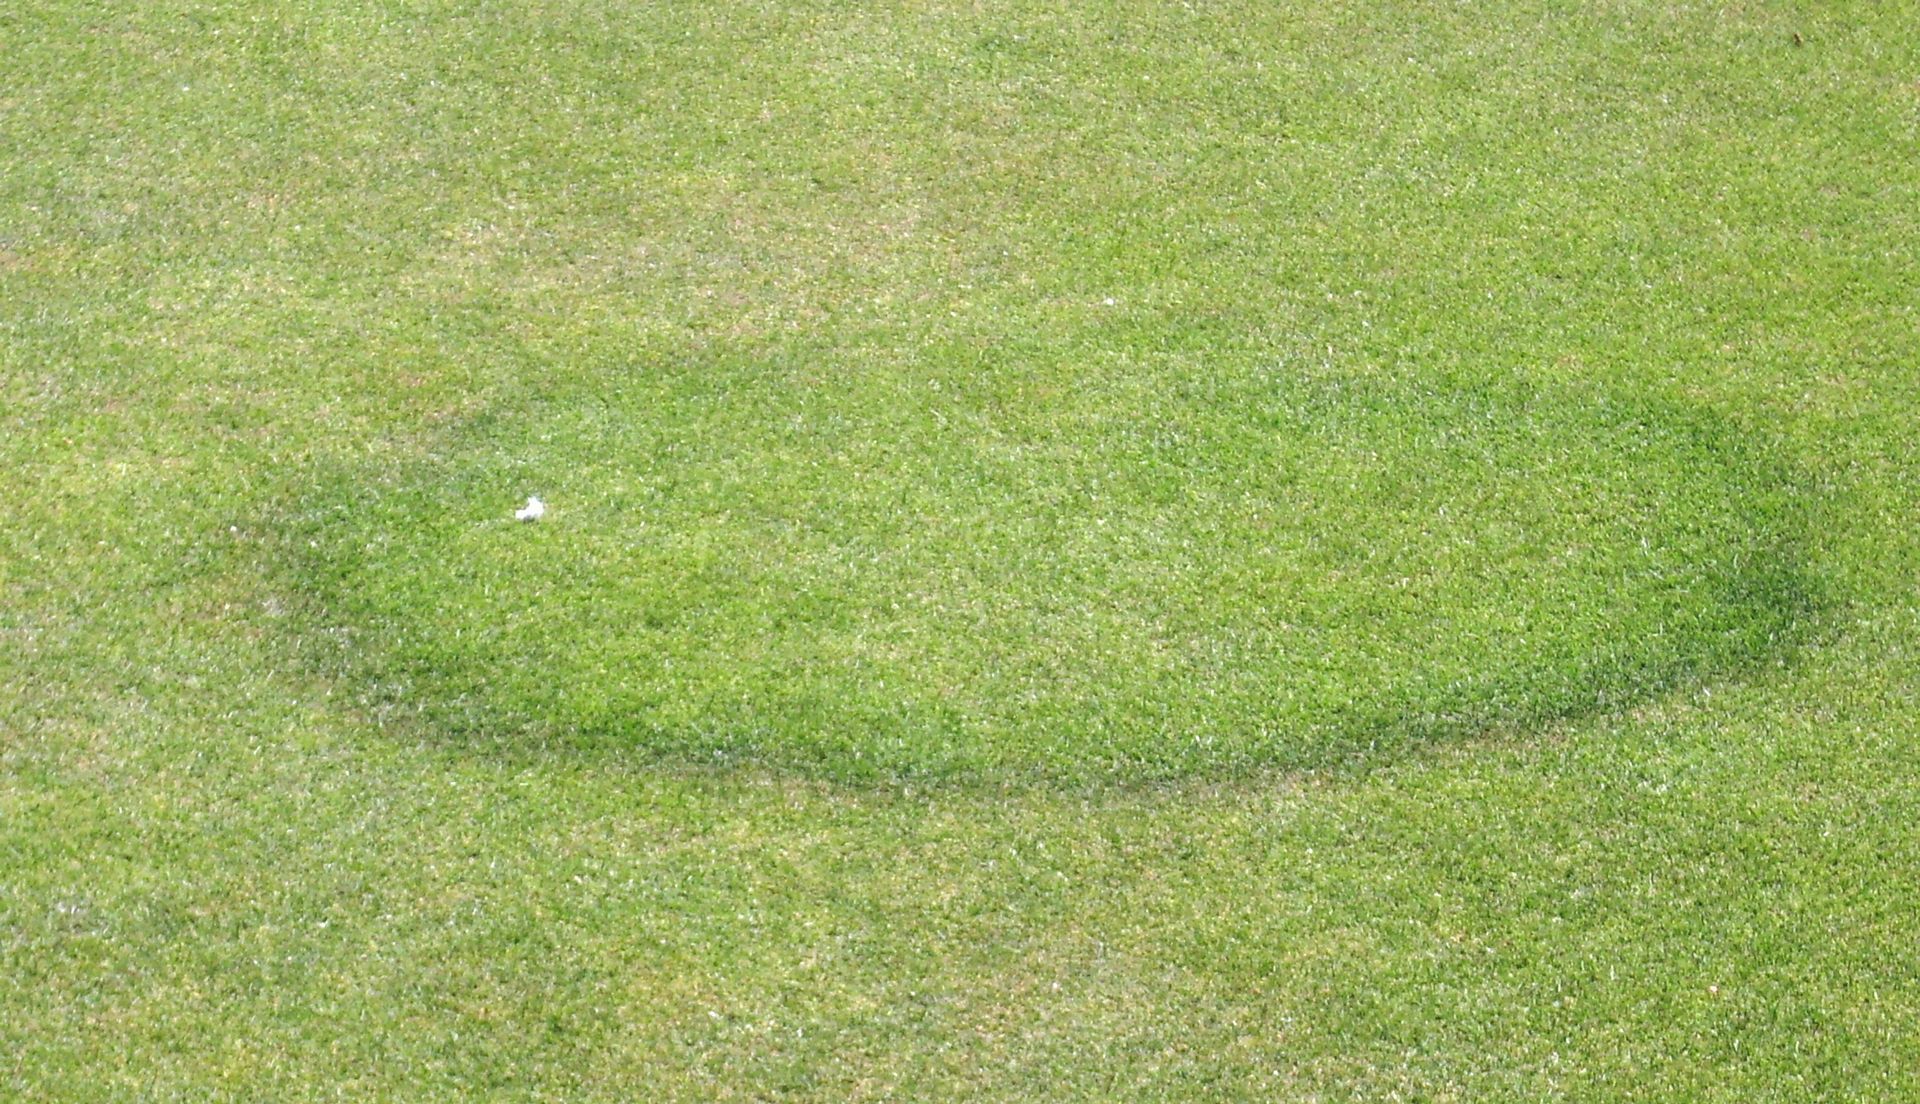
x=1110 y=551
x=1110 y=573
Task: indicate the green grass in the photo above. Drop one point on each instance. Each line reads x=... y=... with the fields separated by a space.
x=1176 y=569
x=1114 y=551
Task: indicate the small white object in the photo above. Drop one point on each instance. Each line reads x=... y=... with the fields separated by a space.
x=533 y=510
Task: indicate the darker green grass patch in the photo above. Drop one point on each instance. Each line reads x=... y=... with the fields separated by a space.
x=1062 y=564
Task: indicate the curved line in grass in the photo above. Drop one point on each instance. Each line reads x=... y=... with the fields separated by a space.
x=1760 y=606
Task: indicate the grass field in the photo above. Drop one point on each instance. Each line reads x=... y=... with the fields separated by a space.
x=1113 y=551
